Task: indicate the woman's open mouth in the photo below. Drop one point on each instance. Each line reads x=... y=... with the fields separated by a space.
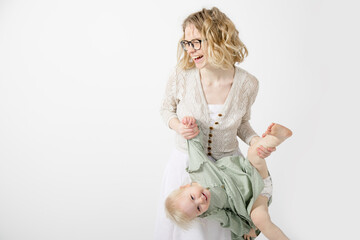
x=197 y=59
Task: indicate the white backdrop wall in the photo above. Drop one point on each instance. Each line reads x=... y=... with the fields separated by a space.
x=82 y=144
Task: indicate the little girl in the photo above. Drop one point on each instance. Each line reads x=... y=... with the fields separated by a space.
x=231 y=190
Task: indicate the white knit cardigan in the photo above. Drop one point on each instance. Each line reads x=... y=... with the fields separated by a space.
x=184 y=96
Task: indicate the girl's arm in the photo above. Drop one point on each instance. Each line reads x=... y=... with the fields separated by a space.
x=236 y=224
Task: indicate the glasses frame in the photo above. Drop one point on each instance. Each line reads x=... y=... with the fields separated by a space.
x=185 y=43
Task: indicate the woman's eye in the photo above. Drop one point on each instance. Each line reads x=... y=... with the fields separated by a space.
x=192 y=198
x=198 y=208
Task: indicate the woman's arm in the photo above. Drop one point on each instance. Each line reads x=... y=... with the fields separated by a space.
x=188 y=127
x=170 y=100
x=245 y=131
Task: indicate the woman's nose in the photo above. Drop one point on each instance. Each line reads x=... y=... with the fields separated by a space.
x=190 y=50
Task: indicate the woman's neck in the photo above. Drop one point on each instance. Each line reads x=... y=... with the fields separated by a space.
x=210 y=75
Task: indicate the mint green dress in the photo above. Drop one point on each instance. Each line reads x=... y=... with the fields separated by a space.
x=234 y=185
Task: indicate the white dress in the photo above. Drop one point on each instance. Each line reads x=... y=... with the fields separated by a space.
x=175 y=175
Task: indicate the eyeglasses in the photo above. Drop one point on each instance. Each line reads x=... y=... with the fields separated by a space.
x=195 y=44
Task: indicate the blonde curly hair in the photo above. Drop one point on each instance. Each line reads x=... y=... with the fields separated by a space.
x=224 y=47
x=173 y=212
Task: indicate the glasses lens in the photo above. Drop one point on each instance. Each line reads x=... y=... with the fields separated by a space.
x=196 y=44
x=184 y=45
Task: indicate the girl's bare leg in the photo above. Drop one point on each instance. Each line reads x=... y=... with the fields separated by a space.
x=276 y=134
x=261 y=218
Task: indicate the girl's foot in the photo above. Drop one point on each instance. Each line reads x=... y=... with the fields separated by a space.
x=280 y=132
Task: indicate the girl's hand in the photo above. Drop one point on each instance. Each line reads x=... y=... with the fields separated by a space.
x=188 y=128
x=250 y=234
x=188 y=121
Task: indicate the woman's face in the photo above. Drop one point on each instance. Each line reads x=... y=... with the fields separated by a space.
x=198 y=56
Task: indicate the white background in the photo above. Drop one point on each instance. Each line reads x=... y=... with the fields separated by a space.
x=82 y=144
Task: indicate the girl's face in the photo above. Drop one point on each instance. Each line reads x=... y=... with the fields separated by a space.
x=195 y=200
x=198 y=56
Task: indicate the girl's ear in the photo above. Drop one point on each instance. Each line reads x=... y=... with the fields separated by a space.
x=185 y=186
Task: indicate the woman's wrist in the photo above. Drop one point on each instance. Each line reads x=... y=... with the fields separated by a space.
x=174 y=124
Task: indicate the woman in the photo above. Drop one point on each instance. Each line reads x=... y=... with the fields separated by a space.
x=208 y=86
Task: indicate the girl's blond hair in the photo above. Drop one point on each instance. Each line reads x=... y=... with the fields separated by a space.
x=224 y=46
x=173 y=212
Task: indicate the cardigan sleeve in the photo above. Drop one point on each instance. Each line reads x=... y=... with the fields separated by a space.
x=245 y=132
x=170 y=100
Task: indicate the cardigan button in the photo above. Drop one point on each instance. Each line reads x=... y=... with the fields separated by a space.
x=209 y=153
x=211 y=128
x=220 y=115
x=209 y=141
x=210 y=135
x=209 y=148
x=216 y=122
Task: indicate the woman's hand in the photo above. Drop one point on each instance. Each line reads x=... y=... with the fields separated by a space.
x=264 y=152
x=261 y=150
x=186 y=128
